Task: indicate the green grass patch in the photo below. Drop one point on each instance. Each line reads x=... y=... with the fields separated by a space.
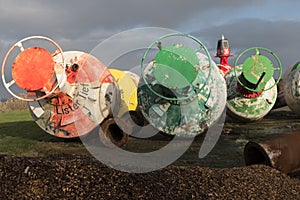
x=20 y=135
x=15 y=116
x=15 y=145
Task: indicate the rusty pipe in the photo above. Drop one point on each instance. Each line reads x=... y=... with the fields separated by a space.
x=111 y=133
x=116 y=131
x=281 y=152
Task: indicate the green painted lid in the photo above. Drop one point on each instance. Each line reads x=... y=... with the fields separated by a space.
x=257 y=70
x=175 y=66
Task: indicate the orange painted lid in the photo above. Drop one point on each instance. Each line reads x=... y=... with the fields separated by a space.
x=33 y=68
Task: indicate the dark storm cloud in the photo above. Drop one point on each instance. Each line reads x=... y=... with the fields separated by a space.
x=81 y=25
x=88 y=20
x=282 y=37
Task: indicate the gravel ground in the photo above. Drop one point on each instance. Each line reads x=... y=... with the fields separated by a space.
x=82 y=177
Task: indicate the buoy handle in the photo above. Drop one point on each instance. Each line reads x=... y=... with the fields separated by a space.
x=58 y=71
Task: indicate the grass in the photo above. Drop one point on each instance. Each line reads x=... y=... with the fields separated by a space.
x=20 y=135
x=15 y=116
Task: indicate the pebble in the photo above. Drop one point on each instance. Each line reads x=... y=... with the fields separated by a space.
x=83 y=177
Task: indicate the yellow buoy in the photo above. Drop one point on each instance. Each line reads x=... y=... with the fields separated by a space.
x=127 y=84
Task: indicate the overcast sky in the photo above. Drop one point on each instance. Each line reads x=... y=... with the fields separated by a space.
x=81 y=25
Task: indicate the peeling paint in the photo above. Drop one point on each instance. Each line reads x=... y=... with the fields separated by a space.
x=291 y=89
x=84 y=101
x=248 y=109
x=193 y=115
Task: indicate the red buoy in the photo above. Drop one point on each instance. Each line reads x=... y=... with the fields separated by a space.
x=223 y=52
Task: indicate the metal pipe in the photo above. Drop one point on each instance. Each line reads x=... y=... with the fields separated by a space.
x=111 y=133
x=281 y=152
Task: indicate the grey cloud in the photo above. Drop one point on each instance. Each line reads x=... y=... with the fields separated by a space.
x=81 y=25
x=72 y=19
x=282 y=37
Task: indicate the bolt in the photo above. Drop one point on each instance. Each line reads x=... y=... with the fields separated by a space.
x=75 y=67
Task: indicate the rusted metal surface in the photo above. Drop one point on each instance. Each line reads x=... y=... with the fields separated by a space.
x=116 y=129
x=281 y=152
x=111 y=134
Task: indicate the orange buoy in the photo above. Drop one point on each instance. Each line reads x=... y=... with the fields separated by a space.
x=33 y=69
